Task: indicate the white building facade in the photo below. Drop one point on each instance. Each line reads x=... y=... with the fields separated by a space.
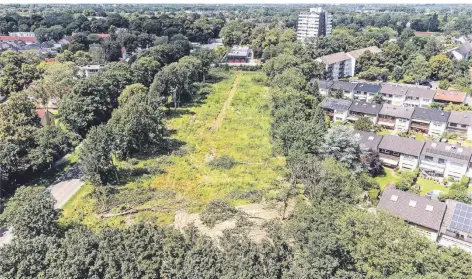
x=314 y=23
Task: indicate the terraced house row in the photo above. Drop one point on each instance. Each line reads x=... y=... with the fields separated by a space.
x=392 y=93
x=434 y=159
x=433 y=122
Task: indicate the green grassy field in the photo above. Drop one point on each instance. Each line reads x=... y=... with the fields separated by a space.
x=186 y=181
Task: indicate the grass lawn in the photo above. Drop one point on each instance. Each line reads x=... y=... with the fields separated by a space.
x=387 y=177
x=428 y=185
x=384 y=132
x=243 y=134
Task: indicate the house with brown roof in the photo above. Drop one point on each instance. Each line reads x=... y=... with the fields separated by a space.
x=450 y=96
x=337 y=65
x=460 y=123
x=404 y=153
x=419 y=96
x=395 y=118
x=345 y=86
x=393 y=93
x=425 y=215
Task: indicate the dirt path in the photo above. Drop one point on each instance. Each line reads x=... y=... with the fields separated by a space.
x=222 y=114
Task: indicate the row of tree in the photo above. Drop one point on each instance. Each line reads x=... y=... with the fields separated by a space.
x=322 y=239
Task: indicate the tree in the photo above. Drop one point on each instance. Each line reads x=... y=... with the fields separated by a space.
x=145 y=69
x=364 y=124
x=378 y=99
x=279 y=64
x=444 y=84
x=175 y=80
x=290 y=78
x=236 y=32
x=341 y=144
x=419 y=69
x=31 y=213
x=95 y=157
x=206 y=57
x=440 y=67
x=397 y=73
x=137 y=124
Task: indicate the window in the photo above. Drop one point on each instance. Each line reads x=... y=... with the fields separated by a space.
x=412 y=203
x=395 y=154
x=453 y=124
x=428 y=158
x=394 y=198
x=441 y=161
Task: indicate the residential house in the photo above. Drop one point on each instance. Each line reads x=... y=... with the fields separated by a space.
x=368 y=141
x=450 y=96
x=359 y=108
x=337 y=65
x=336 y=109
x=90 y=70
x=394 y=94
x=429 y=121
x=366 y=91
x=460 y=123
x=395 y=118
x=456 y=229
x=404 y=153
x=461 y=52
x=355 y=54
x=22 y=34
x=324 y=86
x=423 y=214
x=239 y=55
x=346 y=87
x=445 y=160
x=419 y=96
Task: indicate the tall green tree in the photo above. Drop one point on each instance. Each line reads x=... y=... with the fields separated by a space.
x=31 y=213
x=96 y=156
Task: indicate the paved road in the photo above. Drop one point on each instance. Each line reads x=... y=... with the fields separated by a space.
x=62 y=190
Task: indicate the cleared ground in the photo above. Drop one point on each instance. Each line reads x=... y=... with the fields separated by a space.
x=239 y=107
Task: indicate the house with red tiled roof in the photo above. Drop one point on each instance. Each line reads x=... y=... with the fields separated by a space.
x=449 y=96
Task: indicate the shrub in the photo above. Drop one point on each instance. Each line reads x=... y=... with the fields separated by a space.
x=223 y=162
x=217 y=211
x=373 y=195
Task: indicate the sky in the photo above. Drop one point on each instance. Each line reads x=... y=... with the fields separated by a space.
x=236 y=1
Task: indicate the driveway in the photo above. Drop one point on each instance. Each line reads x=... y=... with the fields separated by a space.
x=62 y=190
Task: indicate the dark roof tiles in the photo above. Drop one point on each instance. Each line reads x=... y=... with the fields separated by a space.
x=401 y=145
x=430 y=115
x=413 y=208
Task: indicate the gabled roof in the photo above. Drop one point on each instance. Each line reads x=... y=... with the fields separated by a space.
x=358 y=52
x=364 y=107
x=368 y=87
x=393 y=89
x=450 y=96
x=368 y=140
x=324 y=84
x=420 y=92
x=413 y=208
x=454 y=153
x=334 y=58
x=461 y=117
x=343 y=85
x=435 y=115
x=336 y=104
x=464 y=49
x=401 y=145
x=396 y=111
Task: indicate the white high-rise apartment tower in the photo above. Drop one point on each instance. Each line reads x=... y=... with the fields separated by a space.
x=313 y=24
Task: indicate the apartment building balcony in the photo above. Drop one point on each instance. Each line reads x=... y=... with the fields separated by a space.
x=420 y=127
x=431 y=166
x=386 y=121
x=389 y=160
